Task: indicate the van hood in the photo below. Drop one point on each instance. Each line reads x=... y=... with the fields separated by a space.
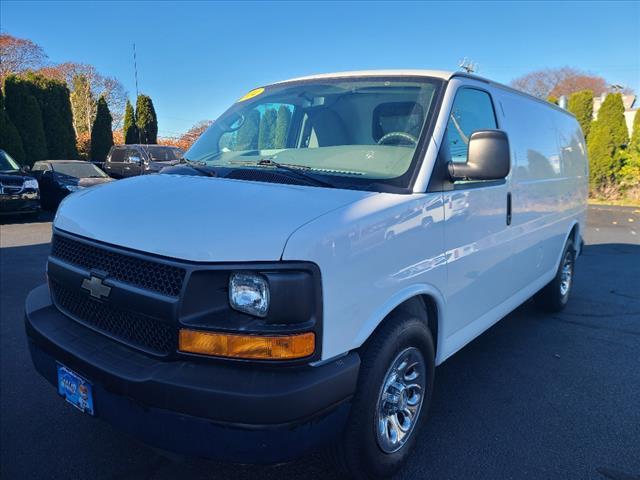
x=201 y=219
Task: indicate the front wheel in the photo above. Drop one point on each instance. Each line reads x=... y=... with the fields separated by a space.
x=392 y=399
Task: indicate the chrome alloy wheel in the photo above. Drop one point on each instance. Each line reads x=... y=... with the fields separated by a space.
x=566 y=274
x=400 y=400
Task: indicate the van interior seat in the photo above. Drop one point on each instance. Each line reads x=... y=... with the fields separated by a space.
x=328 y=128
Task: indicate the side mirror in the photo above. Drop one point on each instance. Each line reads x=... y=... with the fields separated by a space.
x=25 y=169
x=488 y=157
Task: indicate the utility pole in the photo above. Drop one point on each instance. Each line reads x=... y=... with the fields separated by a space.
x=135 y=68
x=135 y=72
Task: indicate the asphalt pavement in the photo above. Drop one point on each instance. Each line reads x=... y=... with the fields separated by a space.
x=537 y=396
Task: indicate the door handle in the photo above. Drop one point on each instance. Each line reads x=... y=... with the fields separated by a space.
x=509 y=208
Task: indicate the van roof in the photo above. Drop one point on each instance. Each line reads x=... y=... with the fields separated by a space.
x=442 y=74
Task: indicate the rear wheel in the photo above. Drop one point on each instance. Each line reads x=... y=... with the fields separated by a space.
x=392 y=399
x=555 y=295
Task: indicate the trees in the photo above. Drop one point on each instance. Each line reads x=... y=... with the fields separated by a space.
x=146 y=120
x=282 y=127
x=19 y=55
x=608 y=139
x=129 y=129
x=24 y=111
x=581 y=105
x=83 y=104
x=612 y=113
x=601 y=153
x=634 y=144
x=10 y=140
x=92 y=86
x=267 y=133
x=186 y=140
x=57 y=119
x=559 y=81
x=101 y=132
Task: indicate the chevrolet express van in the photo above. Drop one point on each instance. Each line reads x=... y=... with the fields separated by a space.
x=321 y=248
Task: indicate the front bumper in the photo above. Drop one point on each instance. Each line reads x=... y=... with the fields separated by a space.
x=20 y=203
x=239 y=413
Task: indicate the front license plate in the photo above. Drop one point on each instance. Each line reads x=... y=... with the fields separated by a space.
x=75 y=389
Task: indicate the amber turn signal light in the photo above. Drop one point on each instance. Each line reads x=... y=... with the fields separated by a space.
x=285 y=347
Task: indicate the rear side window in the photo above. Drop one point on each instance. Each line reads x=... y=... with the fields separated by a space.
x=472 y=110
x=40 y=167
x=117 y=155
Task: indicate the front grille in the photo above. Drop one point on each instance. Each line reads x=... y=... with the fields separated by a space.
x=146 y=274
x=134 y=329
x=13 y=181
x=10 y=190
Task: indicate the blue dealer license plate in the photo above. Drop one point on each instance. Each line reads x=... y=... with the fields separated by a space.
x=75 y=389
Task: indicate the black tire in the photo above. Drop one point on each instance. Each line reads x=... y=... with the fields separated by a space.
x=358 y=452
x=554 y=297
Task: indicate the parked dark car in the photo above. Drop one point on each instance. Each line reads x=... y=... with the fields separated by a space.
x=131 y=160
x=19 y=192
x=59 y=178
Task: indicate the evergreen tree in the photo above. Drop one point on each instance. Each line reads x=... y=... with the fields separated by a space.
x=57 y=119
x=601 y=148
x=581 y=105
x=282 y=127
x=634 y=144
x=24 y=111
x=611 y=113
x=129 y=129
x=247 y=138
x=10 y=140
x=267 y=129
x=146 y=120
x=101 y=133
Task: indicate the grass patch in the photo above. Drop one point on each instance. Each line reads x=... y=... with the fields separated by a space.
x=622 y=202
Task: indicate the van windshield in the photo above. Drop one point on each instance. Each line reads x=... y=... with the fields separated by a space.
x=7 y=164
x=362 y=129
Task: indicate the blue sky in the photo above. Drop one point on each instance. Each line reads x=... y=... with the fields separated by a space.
x=196 y=58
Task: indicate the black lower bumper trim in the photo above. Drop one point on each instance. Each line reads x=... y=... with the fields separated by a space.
x=205 y=396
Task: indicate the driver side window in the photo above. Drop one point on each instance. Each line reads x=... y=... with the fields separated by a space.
x=472 y=110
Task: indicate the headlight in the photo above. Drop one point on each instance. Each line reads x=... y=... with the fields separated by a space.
x=249 y=293
x=72 y=188
x=30 y=183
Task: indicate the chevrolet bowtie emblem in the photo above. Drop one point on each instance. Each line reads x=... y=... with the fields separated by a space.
x=96 y=288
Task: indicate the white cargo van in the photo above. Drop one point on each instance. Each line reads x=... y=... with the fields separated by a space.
x=321 y=249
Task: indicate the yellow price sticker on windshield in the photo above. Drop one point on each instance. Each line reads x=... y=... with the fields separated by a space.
x=253 y=93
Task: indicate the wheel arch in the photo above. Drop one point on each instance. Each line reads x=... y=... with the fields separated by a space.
x=424 y=301
x=574 y=234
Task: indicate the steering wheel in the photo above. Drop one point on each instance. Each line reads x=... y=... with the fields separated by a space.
x=384 y=140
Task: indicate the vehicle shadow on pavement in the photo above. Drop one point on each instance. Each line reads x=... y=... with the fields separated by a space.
x=536 y=396
x=41 y=216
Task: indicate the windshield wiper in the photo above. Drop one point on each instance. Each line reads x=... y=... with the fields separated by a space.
x=199 y=167
x=297 y=170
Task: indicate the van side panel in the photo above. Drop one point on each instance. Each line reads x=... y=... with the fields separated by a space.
x=373 y=255
x=548 y=184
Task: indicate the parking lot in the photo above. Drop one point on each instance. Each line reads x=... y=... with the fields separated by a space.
x=536 y=397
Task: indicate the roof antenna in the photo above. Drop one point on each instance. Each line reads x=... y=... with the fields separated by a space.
x=468 y=66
